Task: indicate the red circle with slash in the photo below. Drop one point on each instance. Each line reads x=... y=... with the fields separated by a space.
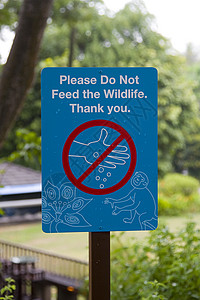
x=78 y=181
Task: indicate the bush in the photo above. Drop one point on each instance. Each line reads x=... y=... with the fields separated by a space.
x=7 y=291
x=179 y=184
x=28 y=151
x=166 y=266
x=178 y=194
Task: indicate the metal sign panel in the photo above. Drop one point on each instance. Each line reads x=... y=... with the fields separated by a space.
x=99 y=149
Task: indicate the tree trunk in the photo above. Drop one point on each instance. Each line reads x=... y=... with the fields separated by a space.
x=18 y=72
x=71 y=46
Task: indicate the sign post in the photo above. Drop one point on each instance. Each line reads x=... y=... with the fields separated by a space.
x=99 y=157
x=99 y=265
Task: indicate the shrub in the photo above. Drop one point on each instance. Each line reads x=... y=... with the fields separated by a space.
x=179 y=184
x=166 y=266
x=28 y=150
x=178 y=194
x=7 y=291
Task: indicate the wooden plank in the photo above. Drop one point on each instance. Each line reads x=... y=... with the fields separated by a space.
x=20 y=203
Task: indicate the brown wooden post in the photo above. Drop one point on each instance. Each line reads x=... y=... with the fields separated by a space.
x=99 y=265
x=41 y=290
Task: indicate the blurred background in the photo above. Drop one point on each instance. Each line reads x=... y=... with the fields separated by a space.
x=86 y=33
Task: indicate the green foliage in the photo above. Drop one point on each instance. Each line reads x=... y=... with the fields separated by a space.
x=127 y=39
x=191 y=155
x=124 y=39
x=28 y=149
x=29 y=119
x=1 y=210
x=178 y=205
x=177 y=110
x=165 y=266
x=178 y=194
x=9 y=11
x=191 y=54
x=187 y=156
x=7 y=291
x=193 y=72
x=179 y=184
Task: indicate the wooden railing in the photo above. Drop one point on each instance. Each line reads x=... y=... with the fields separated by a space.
x=51 y=263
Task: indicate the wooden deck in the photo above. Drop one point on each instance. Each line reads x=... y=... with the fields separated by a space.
x=54 y=266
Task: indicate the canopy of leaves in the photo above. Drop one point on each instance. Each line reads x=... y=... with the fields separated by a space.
x=187 y=156
x=9 y=10
x=83 y=33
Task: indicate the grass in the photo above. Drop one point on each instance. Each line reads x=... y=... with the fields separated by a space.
x=69 y=244
x=74 y=245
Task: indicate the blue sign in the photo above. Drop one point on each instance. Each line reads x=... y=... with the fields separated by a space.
x=99 y=149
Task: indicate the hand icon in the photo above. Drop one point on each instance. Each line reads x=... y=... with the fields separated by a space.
x=91 y=151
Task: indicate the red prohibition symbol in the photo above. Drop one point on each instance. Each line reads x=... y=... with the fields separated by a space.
x=78 y=182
